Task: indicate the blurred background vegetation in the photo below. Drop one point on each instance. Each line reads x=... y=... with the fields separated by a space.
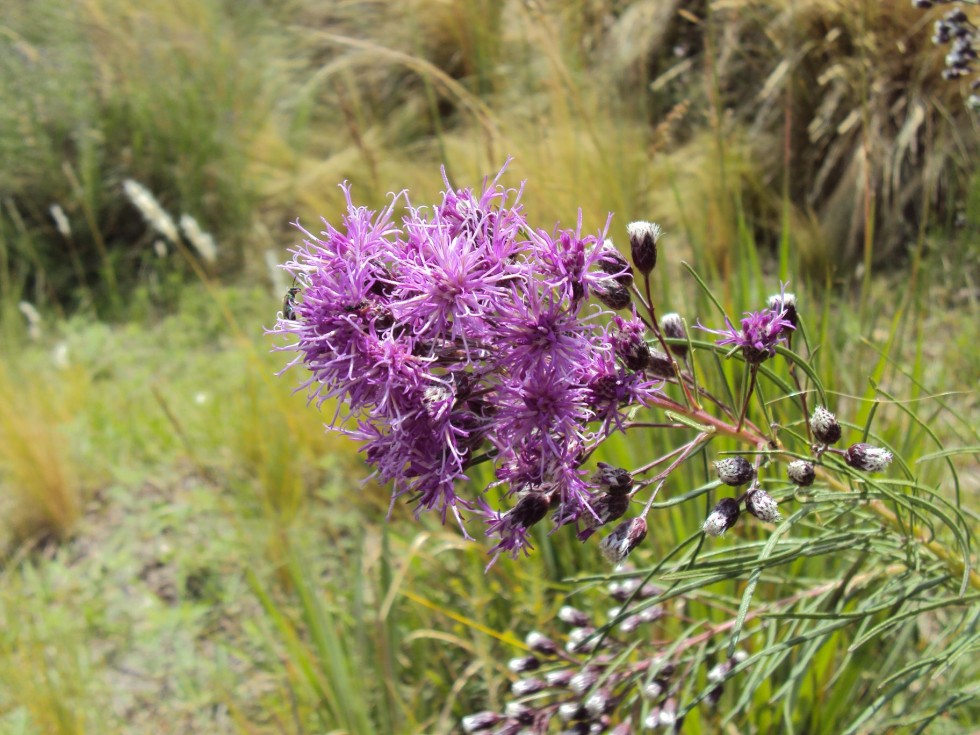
x=184 y=549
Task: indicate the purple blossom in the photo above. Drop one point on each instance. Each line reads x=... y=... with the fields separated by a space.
x=460 y=333
x=761 y=331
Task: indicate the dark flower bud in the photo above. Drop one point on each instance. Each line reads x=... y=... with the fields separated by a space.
x=559 y=679
x=583 y=681
x=520 y=712
x=722 y=517
x=762 y=505
x=785 y=303
x=480 y=721
x=600 y=702
x=824 y=425
x=574 y=617
x=616 y=480
x=673 y=326
x=523 y=687
x=660 y=365
x=643 y=245
x=621 y=542
x=867 y=458
x=523 y=664
x=612 y=293
x=632 y=349
x=580 y=640
x=540 y=643
x=572 y=711
x=611 y=261
x=530 y=509
x=801 y=472
x=607 y=508
x=735 y=471
x=922 y=4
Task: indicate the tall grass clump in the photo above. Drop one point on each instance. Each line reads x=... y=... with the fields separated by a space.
x=777 y=538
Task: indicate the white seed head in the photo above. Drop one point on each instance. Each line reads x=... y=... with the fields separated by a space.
x=868 y=458
x=761 y=504
x=203 y=242
x=60 y=221
x=825 y=426
x=734 y=471
x=154 y=214
x=801 y=472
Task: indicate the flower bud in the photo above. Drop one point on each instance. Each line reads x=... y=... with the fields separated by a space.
x=673 y=326
x=611 y=261
x=643 y=245
x=583 y=681
x=580 y=640
x=824 y=424
x=615 y=480
x=520 y=712
x=607 y=508
x=633 y=350
x=572 y=711
x=540 y=643
x=621 y=542
x=523 y=664
x=761 y=504
x=523 y=687
x=801 y=472
x=559 y=678
x=734 y=471
x=530 y=509
x=612 y=293
x=785 y=303
x=600 y=702
x=867 y=458
x=573 y=616
x=480 y=721
x=660 y=365
x=722 y=517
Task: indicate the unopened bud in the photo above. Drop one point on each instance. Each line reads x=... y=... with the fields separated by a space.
x=583 y=681
x=722 y=517
x=825 y=427
x=612 y=293
x=621 y=542
x=734 y=471
x=643 y=245
x=673 y=326
x=573 y=616
x=600 y=702
x=615 y=480
x=801 y=472
x=540 y=643
x=523 y=664
x=520 y=712
x=523 y=687
x=867 y=458
x=785 y=304
x=480 y=721
x=559 y=678
x=530 y=509
x=660 y=365
x=611 y=261
x=761 y=504
x=580 y=640
x=633 y=351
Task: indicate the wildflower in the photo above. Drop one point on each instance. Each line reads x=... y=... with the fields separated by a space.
x=867 y=458
x=659 y=364
x=673 y=327
x=734 y=471
x=785 y=303
x=612 y=293
x=762 y=505
x=643 y=245
x=760 y=332
x=722 y=517
x=801 y=472
x=615 y=480
x=824 y=425
x=621 y=542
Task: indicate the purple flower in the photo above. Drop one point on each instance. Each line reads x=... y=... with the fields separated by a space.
x=761 y=331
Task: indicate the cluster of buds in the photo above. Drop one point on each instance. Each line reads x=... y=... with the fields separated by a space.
x=956 y=31
x=583 y=685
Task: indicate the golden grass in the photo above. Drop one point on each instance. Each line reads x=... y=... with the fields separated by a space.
x=38 y=474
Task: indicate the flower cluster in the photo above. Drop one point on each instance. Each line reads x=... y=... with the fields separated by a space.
x=956 y=30
x=586 y=686
x=460 y=333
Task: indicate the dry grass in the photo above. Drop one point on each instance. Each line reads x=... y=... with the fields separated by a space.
x=38 y=475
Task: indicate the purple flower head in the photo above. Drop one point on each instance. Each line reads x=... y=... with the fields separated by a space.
x=458 y=333
x=760 y=332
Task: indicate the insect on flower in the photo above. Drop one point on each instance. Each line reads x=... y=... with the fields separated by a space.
x=289 y=302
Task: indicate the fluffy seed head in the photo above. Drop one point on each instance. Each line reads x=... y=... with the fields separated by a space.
x=621 y=542
x=786 y=303
x=734 y=471
x=611 y=261
x=722 y=517
x=643 y=244
x=824 y=424
x=867 y=458
x=801 y=472
x=761 y=504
